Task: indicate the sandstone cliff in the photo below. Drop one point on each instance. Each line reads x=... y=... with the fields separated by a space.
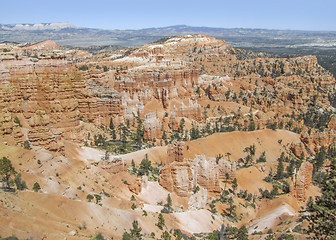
x=152 y=127
x=181 y=175
x=301 y=180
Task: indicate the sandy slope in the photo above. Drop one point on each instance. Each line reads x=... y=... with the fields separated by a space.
x=61 y=206
x=235 y=142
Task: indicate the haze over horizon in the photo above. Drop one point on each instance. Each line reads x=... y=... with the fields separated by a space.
x=130 y=14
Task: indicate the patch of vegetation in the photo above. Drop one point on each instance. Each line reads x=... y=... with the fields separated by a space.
x=17 y=121
x=134 y=233
x=89 y=197
x=98 y=236
x=145 y=169
x=83 y=67
x=36 y=187
x=6 y=171
x=161 y=222
x=167 y=208
x=323 y=209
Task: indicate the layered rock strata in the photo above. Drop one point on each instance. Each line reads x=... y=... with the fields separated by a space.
x=152 y=127
x=182 y=176
x=301 y=180
x=175 y=152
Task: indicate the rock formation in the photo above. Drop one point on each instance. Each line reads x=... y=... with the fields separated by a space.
x=6 y=124
x=173 y=123
x=301 y=180
x=198 y=200
x=136 y=187
x=297 y=149
x=175 y=152
x=112 y=166
x=193 y=111
x=315 y=140
x=227 y=167
x=132 y=107
x=152 y=127
x=40 y=134
x=205 y=173
x=176 y=177
x=181 y=175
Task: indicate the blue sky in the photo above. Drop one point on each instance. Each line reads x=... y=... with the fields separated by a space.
x=137 y=14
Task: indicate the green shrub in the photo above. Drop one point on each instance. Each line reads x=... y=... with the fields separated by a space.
x=36 y=187
x=26 y=145
x=83 y=68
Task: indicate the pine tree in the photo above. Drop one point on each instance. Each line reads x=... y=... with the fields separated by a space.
x=166 y=236
x=319 y=159
x=280 y=169
x=134 y=170
x=169 y=201
x=232 y=208
x=242 y=233
x=136 y=231
x=234 y=184
x=6 y=170
x=161 y=221
x=36 y=187
x=323 y=210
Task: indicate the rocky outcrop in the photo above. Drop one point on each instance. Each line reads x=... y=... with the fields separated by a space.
x=306 y=170
x=5 y=56
x=152 y=127
x=297 y=149
x=332 y=122
x=301 y=180
x=17 y=133
x=113 y=166
x=55 y=87
x=181 y=175
x=135 y=187
x=6 y=124
x=225 y=168
x=175 y=152
x=198 y=200
x=173 y=123
x=40 y=134
x=165 y=98
x=205 y=173
x=193 y=111
x=177 y=177
x=132 y=107
x=315 y=140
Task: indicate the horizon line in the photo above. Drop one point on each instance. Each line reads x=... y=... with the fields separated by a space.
x=177 y=25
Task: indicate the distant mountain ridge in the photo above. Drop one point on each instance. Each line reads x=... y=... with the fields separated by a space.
x=36 y=26
x=68 y=31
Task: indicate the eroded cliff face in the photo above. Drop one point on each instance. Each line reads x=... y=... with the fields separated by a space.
x=40 y=133
x=175 y=152
x=205 y=174
x=179 y=69
x=192 y=111
x=177 y=177
x=52 y=94
x=182 y=176
x=152 y=127
x=113 y=166
x=301 y=180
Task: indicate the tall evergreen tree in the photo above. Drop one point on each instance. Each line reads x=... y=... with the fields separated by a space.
x=280 y=169
x=6 y=170
x=323 y=210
